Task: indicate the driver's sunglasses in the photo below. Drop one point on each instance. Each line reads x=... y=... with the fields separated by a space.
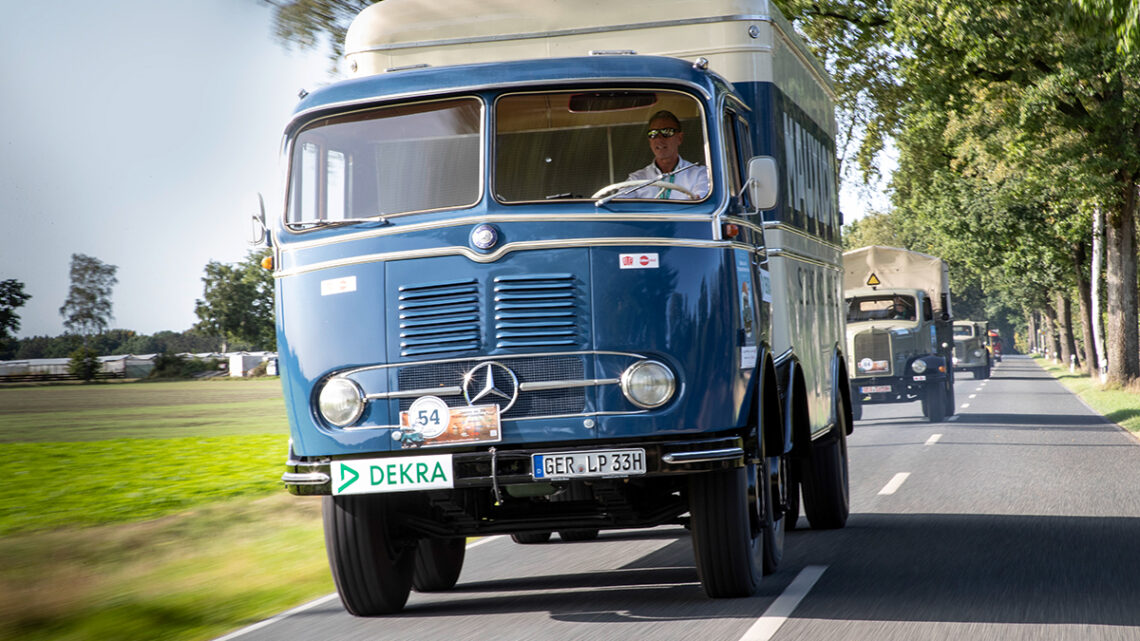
x=667 y=132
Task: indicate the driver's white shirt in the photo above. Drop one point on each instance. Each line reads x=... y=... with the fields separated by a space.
x=695 y=180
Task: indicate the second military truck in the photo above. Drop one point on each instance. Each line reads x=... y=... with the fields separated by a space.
x=899 y=330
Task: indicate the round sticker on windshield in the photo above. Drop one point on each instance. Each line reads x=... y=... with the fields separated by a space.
x=429 y=415
x=865 y=364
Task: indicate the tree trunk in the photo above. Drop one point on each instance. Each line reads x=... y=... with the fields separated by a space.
x=1123 y=341
x=1031 y=327
x=1052 y=343
x=1065 y=330
x=1094 y=295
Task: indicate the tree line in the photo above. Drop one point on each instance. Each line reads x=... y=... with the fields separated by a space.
x=234 y=313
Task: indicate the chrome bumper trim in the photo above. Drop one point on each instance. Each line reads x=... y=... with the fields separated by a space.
x=707 y=456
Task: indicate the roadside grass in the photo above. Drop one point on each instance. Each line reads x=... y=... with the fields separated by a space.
x=150 y=511
x=1119 y=405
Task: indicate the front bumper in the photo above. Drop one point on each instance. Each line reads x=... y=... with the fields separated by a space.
x=889 y=389
x=508 y=466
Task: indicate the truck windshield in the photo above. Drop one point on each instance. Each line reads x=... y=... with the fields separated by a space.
x=963 y=331
x=380 y=162
x=880 y=308
x=585 y=144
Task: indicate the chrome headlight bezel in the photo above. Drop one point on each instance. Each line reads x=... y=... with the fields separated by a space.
x=648 y=384
x=340 y=402
x=919 y=366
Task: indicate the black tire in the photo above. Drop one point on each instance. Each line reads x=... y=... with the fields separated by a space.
x=530 y=538
x=372 y=569
x=578 y=535
x=728 y=544
x=438 y=564
x=936 y=402
x=979 y=373
x=824 y=481
x=792 y=516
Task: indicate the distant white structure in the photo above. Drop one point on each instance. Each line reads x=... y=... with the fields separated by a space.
x=242 y=362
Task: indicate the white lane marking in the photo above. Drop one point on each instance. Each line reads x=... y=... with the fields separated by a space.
x=893 y=485
x=973 y=395
x=965 y=405
x=321 y=601
x=979 y=388
x=933 y=439
x=769 y=623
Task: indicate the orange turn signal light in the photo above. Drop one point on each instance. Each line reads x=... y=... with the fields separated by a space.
x=267 y=263
x=730 y=230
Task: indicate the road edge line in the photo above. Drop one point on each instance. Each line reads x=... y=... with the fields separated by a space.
x=253 y=627
x=777 y=614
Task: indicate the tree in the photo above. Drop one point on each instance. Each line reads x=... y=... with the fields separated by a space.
x=84 y=363
x=237 y=303
x=315 y=23
x=12 y=297
x=87 y=309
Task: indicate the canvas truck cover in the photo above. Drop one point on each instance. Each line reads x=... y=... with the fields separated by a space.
x=743 y=40
x=894 y=268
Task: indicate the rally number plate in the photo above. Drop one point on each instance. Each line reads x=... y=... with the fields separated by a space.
x=572 y=465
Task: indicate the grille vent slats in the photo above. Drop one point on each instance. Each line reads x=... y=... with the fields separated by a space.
x=530 y=404
x=536 y=310
x=439 y=317
x=875 y=346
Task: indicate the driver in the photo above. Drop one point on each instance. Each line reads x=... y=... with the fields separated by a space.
x=665 y=138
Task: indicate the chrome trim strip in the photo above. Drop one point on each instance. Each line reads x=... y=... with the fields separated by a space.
x=506 y=249
x=775 y=252
x=757 y=17
x=549 y=385
x=305 y=478
x=779 y=360
x=707 y=456
x=785 y=227
x=498 y=218
x=415 y=393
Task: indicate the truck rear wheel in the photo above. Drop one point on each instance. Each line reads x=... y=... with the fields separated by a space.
x=936 y=403
x=372 y=569
x=530 y=538
x=823 y=481
x=438 y=564
x=728 y=544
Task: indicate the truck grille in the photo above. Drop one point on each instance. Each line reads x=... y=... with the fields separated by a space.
x=875 y=348
x=531 y=403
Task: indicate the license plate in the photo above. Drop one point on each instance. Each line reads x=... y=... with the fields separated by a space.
x=874 y=389
x=572 y=465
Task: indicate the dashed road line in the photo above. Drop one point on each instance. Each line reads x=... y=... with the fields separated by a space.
x=933 y=439
x=769 y=623
x=893 y=485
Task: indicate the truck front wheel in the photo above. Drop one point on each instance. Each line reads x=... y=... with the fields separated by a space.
x=371 y=567
x=728 y=543
x=936 y=403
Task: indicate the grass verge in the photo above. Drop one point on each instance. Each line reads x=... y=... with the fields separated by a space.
x=1121 y=406
x=186 y=577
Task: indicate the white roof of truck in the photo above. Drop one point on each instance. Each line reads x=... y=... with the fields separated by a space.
x=744 y=40
x=894 y=268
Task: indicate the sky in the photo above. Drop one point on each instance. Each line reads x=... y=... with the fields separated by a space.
x=140 y=132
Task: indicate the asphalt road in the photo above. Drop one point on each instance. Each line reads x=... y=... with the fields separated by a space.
x=1017 y=519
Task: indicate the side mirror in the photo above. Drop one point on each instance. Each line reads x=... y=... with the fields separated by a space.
x=763 y=182
x=259 y=231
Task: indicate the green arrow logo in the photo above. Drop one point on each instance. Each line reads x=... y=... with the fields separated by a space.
x=355 y=475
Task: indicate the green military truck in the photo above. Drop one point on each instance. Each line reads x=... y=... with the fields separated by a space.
x=971 y=353
x=899 y=330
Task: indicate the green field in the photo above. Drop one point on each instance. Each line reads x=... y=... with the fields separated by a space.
x=150 y=511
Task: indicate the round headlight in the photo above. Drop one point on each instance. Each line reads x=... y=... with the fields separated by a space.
x=648 y=384
x=918 y=366
x=978 y=353
x=341 y=402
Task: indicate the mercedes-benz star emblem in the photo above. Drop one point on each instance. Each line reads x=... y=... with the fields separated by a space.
x=491 y=383
x=484 y=236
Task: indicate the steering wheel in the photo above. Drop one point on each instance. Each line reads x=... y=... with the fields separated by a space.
x=643 y=183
